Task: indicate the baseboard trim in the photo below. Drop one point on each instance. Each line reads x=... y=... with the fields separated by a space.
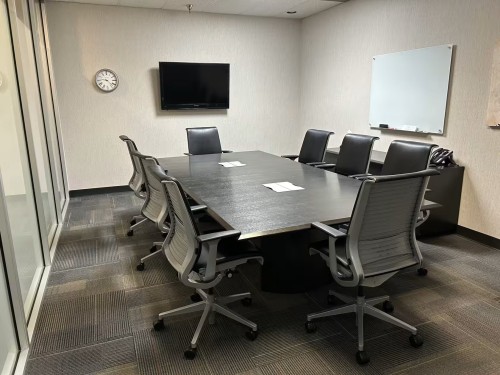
x=102 y=190
x=478 y=237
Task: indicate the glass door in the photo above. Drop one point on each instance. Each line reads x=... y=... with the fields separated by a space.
x=46 y=95
x=8 y=344
x=34 y=108
x=15 y=173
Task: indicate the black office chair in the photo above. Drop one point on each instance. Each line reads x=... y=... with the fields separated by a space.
x=313 y=147
x=407 y=157
x=203 y=141
x=379 y=242
x=202 y=260
x=136 y=182
x=354 y=155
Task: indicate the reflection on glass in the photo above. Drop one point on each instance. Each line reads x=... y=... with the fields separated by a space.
x=37 y=121
x=15 y=173
x=8 y=343
x=47 y=100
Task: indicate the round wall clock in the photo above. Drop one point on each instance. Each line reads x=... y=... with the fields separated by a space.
x=106 y=80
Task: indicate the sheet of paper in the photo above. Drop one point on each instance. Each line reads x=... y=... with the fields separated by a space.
x=290 y=186
x=280 y=187
x=238 y=164
x=230 y=164
x=276 y=187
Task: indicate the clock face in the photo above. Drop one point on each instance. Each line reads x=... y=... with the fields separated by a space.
x=106 y=80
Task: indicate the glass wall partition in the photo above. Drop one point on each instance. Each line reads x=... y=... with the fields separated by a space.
x=8 y=344
x=35 y=124
x=16 y=173
x=43 y=64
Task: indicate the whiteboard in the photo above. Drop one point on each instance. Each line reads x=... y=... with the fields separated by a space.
x=409 y=90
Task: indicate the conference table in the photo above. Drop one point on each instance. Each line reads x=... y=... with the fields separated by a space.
x=278 y=223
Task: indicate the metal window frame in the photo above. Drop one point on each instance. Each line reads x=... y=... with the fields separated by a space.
x=40 y=39
x=12 y=277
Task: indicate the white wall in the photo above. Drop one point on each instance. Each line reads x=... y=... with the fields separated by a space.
x=336 y=55
x=263 y=53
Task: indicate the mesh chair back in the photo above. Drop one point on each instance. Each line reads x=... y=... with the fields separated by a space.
x=136 y=182
x=155 y=207
x=381 y=235
x=354 y=155
x=314 y=146
x=203 y=141
x=181 y=247
x=407 y=157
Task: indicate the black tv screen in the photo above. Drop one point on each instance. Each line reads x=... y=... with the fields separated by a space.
x=194 y=85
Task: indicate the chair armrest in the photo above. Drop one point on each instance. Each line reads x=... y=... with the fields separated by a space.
x=218 y=235
x=291 y=157
x=335 y=233
x=315 y=163
x=326 y=166
x=198 y=207
x=362 y=176
x=187 y=153
x=226 y=151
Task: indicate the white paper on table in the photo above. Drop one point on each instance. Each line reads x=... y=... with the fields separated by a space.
x=230 y=164
x=280 y=187
x=237 y=164
x=290 y=186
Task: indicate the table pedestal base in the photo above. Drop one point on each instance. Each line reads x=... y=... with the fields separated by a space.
x=288 y=267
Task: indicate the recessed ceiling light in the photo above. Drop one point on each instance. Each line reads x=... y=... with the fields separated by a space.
x=291 y=12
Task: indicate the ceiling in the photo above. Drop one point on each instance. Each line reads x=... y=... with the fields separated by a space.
x=264 y=8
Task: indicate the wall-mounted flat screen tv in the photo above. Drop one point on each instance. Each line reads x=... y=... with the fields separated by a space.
x=194 y=85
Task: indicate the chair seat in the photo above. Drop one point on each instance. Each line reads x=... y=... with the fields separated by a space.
x=371 y=269
x=229 y=250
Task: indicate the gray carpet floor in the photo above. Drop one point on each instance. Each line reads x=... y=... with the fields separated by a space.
x=97 y=312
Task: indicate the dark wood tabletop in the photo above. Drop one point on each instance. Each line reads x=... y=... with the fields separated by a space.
x=236 y=198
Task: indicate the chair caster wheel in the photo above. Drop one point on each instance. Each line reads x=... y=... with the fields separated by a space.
x=130 y=233
x=388 y=307
x=422 y=271
x=362 y=358
x=251 y=335
x=153 y=249
x=133 y=221
x=416 y=340
x=311 y=327
x=331 y=300
x=246 y=301
x=158 y=325
x=140 y=267
x=196 y=297
x=190 y=353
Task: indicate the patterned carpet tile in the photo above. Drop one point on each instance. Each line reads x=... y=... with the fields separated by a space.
x=161 y=353
x=481 y=321
x=86 y=360
x=470 y=360
x=77 y=322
